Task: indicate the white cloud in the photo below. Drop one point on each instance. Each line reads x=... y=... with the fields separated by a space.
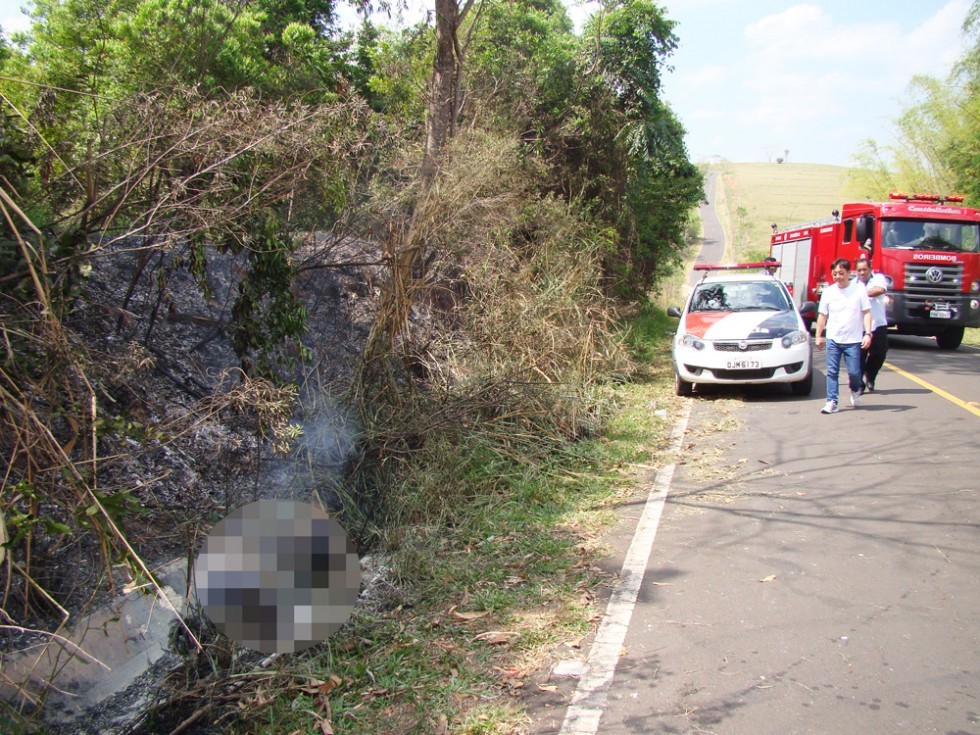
x=939 y=41
x=805 y=33
x=791 y=23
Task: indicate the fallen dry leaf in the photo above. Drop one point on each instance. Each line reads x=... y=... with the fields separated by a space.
x=442 y=727
x=318 y=686
x=323 y=724
x=770 y=578
x=474 y=615
x=496 y=637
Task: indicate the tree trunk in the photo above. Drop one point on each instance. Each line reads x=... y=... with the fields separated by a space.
x=442 y=97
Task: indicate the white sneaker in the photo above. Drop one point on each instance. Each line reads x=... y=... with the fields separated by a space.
x=855 y=399
x=829 y=407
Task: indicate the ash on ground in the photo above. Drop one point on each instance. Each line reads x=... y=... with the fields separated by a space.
x=185 y=458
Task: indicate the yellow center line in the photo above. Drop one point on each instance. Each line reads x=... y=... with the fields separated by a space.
x=971 y=407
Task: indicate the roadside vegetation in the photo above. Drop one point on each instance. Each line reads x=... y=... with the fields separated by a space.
x=180 y=186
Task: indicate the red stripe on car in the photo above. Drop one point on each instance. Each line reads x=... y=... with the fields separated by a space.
x=699 y=323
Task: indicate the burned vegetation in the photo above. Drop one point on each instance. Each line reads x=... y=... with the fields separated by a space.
x=245 y=255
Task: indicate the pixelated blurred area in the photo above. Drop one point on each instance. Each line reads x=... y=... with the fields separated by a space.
x=278 y=576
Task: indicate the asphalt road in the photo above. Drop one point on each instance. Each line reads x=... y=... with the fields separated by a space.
x=952 y=372
x=816 y=574
x=713 y=235
x=811 y=573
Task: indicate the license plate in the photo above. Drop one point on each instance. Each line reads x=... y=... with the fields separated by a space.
x=743 y=365
x=940 y=314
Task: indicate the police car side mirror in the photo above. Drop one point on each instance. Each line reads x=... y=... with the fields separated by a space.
x=674 y=312
x=808 y=310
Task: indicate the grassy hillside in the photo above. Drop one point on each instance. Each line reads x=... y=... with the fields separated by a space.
x=760 y=194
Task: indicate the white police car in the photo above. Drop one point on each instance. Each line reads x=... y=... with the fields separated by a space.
x=739 y=328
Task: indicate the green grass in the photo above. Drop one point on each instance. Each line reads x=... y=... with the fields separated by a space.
x=757 y=195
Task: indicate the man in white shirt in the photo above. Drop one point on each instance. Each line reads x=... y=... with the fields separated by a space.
x=845 y=312
x=874 y=357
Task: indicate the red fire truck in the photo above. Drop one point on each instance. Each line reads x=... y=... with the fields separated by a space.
x=927 y=246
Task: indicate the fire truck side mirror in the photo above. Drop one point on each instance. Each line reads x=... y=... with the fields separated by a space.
x=864 y=232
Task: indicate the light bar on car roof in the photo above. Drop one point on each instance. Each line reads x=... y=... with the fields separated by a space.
x=736 y=266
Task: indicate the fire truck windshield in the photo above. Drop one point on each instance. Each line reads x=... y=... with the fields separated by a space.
x=910 y=234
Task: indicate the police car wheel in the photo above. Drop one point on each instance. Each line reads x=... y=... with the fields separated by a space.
x=803 y=387
x=682 y=387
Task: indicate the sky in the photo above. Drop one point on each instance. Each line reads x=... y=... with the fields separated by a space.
x=752 y=79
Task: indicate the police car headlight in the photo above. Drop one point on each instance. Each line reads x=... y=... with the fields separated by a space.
x=794 y=338
x=689 y=340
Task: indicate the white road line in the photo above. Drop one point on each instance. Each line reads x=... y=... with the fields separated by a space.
x=589 y=699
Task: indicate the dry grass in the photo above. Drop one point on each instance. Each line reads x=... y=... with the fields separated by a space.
x=491 y=324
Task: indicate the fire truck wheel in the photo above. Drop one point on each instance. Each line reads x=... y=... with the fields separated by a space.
x=803 y=387
x=950 y=339
x=682 y=387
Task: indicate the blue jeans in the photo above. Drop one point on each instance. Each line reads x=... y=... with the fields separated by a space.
x=852 y=357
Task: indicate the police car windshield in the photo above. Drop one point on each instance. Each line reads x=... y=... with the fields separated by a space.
x=908 y=234
x=739 y=296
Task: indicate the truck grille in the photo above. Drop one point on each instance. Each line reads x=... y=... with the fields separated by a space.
x=926 y=282
x=751 y=347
